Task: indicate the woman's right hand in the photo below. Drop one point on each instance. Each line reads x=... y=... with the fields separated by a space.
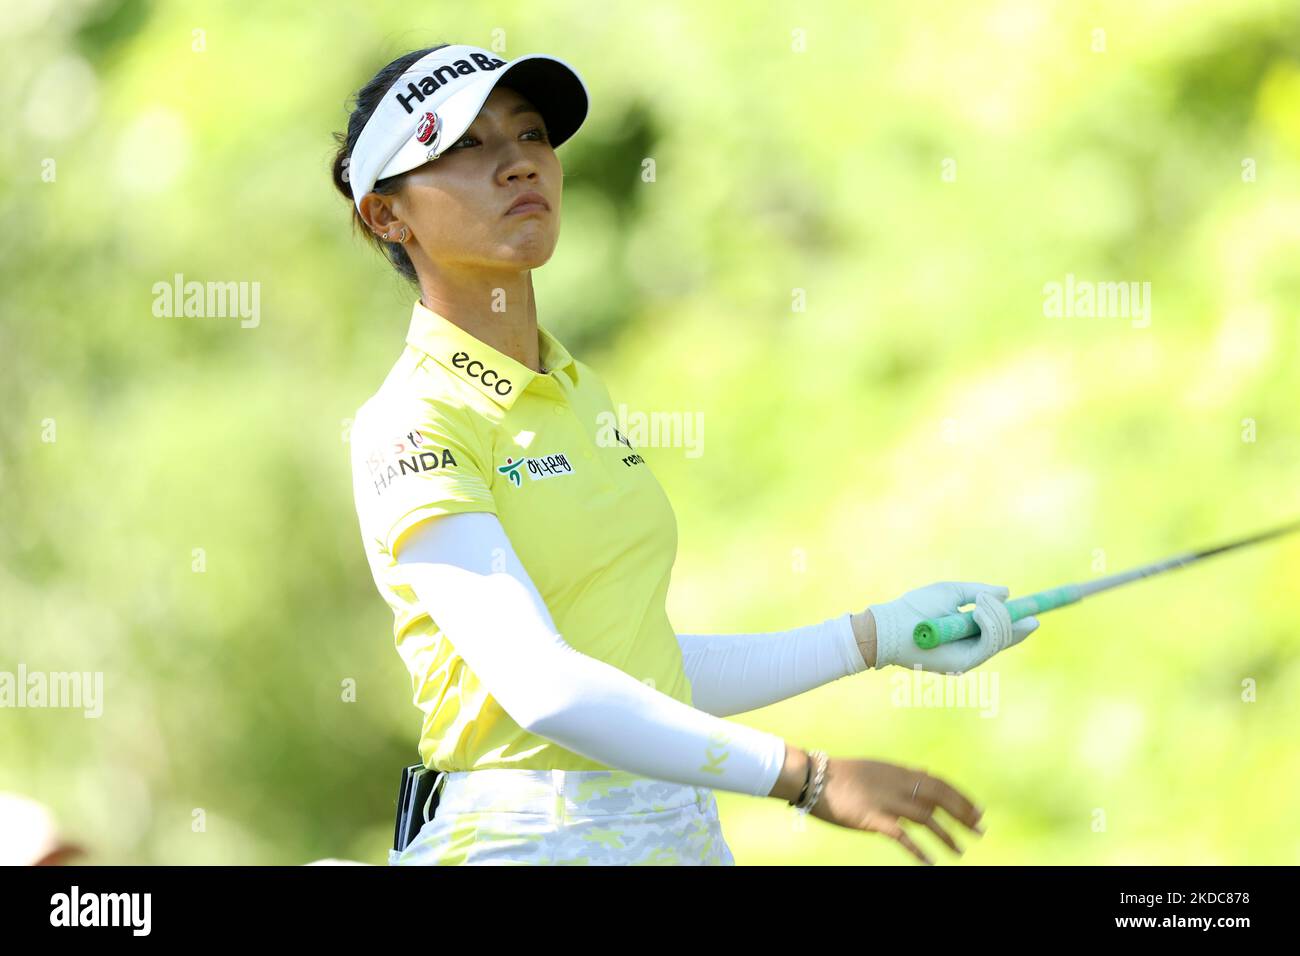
x=896 y=620
x=875 y=796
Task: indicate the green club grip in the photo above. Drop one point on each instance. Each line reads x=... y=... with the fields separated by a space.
x=954 y=627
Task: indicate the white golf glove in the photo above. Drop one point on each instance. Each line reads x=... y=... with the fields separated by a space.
x=896 y=619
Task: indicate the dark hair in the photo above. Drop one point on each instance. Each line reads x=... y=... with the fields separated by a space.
x=367 y=99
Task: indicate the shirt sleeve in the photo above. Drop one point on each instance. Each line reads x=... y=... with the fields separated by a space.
x=417 y=458
x=733 y=673
x=467 y=576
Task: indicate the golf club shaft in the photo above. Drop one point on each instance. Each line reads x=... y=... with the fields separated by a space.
x=955 y=627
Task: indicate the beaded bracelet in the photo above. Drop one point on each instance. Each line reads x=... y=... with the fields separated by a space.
x=818 y=783
x=807 y=779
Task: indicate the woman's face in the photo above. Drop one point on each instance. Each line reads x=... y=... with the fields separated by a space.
x=456 y=206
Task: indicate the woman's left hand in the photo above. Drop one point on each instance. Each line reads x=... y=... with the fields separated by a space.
x=895 y=621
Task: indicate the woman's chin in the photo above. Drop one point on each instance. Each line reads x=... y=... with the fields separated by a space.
x=528 y=252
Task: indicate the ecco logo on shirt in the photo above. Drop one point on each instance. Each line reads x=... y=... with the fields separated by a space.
x=475 y=369
x=405 y=457
x=538 y=469
x=444 y=75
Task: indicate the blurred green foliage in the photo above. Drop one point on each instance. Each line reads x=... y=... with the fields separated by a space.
x=917 y=172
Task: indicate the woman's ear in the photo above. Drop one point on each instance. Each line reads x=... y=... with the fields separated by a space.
x=378 y=213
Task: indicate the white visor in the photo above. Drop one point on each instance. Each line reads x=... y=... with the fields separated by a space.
x=430 y=106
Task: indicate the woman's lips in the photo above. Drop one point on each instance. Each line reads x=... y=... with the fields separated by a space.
x=528 y=202
x=524 y=208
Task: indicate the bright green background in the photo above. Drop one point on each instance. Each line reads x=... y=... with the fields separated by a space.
x=920 y=420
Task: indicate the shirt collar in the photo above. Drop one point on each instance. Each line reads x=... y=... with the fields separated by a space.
x=493 y=373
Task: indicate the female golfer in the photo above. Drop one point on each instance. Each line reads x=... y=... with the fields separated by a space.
x=525 y=546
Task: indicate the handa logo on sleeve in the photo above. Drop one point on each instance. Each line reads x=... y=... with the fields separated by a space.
x=406 y=455
x=446 y=74
x=538 y=469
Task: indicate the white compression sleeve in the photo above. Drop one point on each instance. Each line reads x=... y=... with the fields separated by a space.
x=733 y=673
x=468 y=578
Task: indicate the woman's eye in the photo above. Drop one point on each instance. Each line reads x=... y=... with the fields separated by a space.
x=539 y=132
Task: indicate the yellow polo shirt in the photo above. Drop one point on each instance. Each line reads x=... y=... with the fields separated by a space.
x=458 y=426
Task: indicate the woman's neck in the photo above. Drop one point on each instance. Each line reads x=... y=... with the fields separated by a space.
x=498 y=309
